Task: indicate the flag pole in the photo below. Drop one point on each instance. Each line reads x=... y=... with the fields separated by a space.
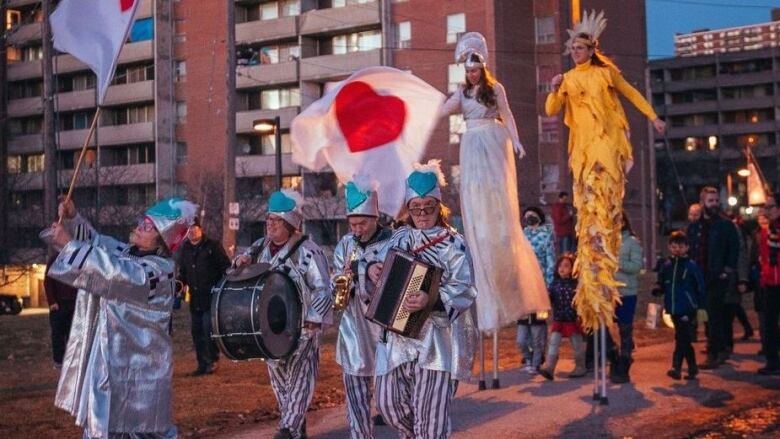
x=81 y=158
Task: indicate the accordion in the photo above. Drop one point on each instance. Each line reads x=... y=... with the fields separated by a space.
x=403 y=274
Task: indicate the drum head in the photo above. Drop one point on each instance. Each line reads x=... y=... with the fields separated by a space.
x=279 y=314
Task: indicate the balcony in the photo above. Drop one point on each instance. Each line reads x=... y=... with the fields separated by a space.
x=266 y=30
x=13 y=4
x=132 y=52
x=19 y=70
x=25 y=107
x=261 y=165
x=244 y=119
x=128 y=174
x=748 y=128
x=693 y=131
x=335 y=20
x=747 y=103
x=24 y=34
x=29 y=181
x=25 y=144
x=266 y=74
x=109 y=135
x=142 y=91
x=691 y=107
x=330 y=67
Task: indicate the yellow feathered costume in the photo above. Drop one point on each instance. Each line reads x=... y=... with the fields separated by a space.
x=599 y=157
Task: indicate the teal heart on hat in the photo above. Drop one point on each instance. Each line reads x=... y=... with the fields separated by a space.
x=280 y=202
x=165 y=208
x=354 y=196
x=422 y=182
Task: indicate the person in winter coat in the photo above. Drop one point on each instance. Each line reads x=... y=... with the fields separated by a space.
x=769 y=258
x=681 y=282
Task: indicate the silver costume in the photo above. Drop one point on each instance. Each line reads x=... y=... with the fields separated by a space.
x=358 y=337
x=448 y=337
x=117 y=370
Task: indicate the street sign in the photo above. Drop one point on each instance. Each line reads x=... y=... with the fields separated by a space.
x=233 y=223
x=233 y=208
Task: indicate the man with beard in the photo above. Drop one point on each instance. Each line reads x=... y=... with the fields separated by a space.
x=717 y=254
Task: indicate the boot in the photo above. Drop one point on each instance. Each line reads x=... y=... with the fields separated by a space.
x=579 y=365
x=548 y=369
x=622 y=365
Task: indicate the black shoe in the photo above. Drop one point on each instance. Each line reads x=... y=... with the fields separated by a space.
x=710 y=364
x=547 y=374
x=379 y=420
x=748 y=335
x=723 y=357
x=673 y=373
x=283 y=433
x=200 y=371
x=769 y=370
x=692 y=374
x=211 y=368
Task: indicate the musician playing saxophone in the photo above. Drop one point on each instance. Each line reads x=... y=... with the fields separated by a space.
x=358 y=337
x=417 y=378
x=289 y=251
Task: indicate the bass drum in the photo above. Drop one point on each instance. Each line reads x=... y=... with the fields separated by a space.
x=256 y=316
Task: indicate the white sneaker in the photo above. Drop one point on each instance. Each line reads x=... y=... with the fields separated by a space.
x=530 y=369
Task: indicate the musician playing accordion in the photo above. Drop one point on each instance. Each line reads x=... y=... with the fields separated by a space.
x=417 y=377
x=286 y=249
x=358 y=337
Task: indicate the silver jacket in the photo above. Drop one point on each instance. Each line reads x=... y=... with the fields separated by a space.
x=307 y=267
x=448 y=337
x=118 y=366
x=358 y=337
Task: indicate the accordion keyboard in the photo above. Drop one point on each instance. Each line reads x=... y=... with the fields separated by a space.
x=415 y=282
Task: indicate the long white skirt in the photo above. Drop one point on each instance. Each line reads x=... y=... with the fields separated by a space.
x=508 y=277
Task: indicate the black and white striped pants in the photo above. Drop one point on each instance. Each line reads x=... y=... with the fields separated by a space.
x=359 y=394
x=293 y=381
x=416 y=401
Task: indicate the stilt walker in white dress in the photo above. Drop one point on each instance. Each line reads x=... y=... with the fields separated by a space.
x=508 y=278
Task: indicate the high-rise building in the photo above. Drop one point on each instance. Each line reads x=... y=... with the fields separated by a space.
x=716 y=107
x=733 y=39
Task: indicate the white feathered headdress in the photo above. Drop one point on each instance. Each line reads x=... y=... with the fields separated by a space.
x=591 y=25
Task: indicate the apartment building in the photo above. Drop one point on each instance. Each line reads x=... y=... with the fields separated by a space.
x=733 y=39
x=716 y=106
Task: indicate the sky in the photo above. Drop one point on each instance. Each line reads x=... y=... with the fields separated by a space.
x=667 y=17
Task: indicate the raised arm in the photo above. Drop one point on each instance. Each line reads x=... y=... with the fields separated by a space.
x=452 y=105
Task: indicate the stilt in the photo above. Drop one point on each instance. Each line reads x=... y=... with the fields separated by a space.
x=496 y=384
x=603 y=397
x=482 y=385
x=596 y=390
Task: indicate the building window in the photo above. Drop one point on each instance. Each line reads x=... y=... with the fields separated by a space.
x=457 y=127
x=179 y=35
x=545 y=30
x=181 y=112
x=357 y=42
x=14 y=164
x=29 y=125
x=181 y=153
x=280 y=98
x=456 y=75
x=456 y=25
x=83 y=82
x=544 y=75
x=403 y=32
x=32 y=53
x=128 y=115
x=127 y=155
x=35 y=163
x=548 y=129
x=263 y=145
x=269 y=11
x=180 y=71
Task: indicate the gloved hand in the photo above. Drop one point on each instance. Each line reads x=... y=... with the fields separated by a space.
x=519 y=150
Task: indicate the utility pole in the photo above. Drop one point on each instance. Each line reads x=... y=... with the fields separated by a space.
x=228 y=235
x=4 y=192
x=49 y=128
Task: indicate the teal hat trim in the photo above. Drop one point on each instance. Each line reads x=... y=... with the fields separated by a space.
x=354 y=196
x=422 y=182
x=280 y=202
x=165 y=208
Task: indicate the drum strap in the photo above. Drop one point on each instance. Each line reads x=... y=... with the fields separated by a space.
x=293 y=249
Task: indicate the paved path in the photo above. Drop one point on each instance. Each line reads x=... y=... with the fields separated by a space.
x=653 y=405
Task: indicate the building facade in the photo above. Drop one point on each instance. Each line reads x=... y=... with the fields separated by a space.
x=716 y=107
x=733 y=39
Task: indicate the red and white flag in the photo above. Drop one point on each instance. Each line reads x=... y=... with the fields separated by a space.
x=94 y=31
x=376 y=123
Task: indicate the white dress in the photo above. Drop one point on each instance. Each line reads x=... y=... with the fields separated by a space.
x=507 y=275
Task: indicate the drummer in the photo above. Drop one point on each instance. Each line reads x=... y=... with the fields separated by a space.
x=358 y=337
x=288 y=250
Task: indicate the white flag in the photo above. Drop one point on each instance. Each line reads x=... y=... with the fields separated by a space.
x=755 y=186
x=376 y=123
x=94 y=31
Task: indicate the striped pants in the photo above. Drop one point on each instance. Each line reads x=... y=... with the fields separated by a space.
x=359 y=394
x=293 y=379
x=416 y=401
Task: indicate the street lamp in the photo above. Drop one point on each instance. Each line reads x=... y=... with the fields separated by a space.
x=269 y=126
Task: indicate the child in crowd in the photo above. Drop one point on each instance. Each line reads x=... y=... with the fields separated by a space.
x=531 y=337
x=681 y=282
x=565 y=320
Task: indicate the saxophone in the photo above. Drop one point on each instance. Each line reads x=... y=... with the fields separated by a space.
x=342 y=284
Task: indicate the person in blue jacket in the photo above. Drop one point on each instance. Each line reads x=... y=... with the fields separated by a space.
x=681 y=282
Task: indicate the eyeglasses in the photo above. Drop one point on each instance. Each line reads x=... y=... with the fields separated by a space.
x=145 y=224
x=425 y=210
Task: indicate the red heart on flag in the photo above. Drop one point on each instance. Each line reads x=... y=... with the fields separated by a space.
x=367 y=119
x=126 y=4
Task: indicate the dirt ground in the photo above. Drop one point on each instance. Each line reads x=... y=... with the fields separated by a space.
x=237 y=395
